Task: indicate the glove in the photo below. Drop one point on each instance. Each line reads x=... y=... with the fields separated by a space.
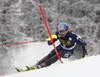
x=52 y=39
x=85 y=54
x=50 y=42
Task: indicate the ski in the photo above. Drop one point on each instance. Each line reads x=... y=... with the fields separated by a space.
x=24 y=70
x=21 y=70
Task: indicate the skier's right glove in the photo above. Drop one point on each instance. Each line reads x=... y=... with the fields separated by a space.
x=85 y=54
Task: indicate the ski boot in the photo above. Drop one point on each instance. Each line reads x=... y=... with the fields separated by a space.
x=42 y=65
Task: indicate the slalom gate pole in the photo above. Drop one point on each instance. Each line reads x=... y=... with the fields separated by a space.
x=49 y=33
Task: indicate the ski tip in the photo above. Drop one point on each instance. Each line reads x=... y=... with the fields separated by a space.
x=17 y=69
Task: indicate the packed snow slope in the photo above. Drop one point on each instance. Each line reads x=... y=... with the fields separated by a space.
x=86 y=67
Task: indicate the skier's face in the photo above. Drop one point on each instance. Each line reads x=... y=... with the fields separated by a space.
x=63 y=34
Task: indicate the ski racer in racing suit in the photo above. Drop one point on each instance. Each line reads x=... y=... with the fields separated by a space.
x=66 y=47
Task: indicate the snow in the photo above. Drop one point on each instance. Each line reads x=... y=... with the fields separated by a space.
x=86 y=67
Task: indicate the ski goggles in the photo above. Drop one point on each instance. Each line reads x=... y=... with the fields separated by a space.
x=62 y=31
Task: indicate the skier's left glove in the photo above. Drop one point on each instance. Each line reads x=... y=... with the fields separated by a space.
x=50 y=42
x=85 y=54
x=52 y=39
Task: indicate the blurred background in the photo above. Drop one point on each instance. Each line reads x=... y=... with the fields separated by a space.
x=21 y=21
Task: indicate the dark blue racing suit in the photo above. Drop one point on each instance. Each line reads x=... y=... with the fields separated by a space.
x=65 y=49
x=67 y=44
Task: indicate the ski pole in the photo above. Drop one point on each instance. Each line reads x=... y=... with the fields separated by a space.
x=53 y=36
x=23 y=43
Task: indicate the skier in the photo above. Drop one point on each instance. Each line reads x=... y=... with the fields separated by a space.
x=66 y=47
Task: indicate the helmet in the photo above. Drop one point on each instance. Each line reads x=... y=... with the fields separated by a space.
x=63 y=26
